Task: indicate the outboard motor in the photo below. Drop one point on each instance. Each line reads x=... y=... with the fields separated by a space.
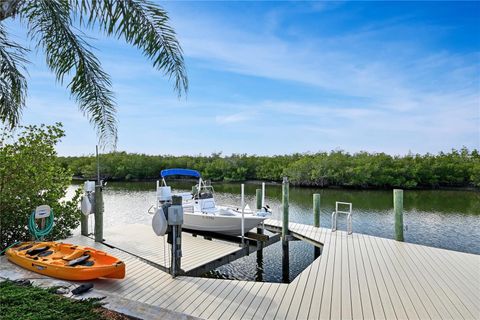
x=265 y=211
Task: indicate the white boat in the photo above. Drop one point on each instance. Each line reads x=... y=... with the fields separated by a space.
x=201 y=213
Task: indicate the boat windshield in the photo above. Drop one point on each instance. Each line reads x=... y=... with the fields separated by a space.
x=202 y=190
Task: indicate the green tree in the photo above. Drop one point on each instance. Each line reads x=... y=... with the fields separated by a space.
x=31 y=175
x=53 y=27
x=475 y=168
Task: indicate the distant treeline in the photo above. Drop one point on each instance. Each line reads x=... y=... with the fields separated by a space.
x=458 y=168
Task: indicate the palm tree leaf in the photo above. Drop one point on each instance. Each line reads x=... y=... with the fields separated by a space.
x=13 y=85
x=142 y=24
x=49 y=23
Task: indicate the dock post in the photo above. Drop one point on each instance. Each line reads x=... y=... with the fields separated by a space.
x=84 y=225
x=98 y=213
x=316 y=210
x=398 y=209
x=259 y=199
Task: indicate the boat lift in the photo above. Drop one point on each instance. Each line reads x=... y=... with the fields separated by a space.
x=201 y=194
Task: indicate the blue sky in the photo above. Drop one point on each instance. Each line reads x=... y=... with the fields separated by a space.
x=281 y=77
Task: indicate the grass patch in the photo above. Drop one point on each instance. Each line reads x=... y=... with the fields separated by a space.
x=20 y=301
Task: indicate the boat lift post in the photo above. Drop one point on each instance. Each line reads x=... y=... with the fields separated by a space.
x=259 y=195
x=285 y=233
x=84 y=225
x=243 y=213
x=258 y=205
x=98 y=204
x=263 y=202
x=316 y=219
x=175 y=220
x=263 y=194
x=93 y=191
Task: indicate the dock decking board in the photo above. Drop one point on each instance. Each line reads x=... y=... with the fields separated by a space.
x=430 y=300
x=356 y=277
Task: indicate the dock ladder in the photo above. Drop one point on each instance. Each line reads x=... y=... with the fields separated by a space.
x=348 y=213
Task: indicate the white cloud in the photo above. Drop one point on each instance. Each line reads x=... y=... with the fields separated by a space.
x=233 y=118
x=393 y=73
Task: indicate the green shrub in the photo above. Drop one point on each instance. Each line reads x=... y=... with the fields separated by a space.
x=31 y=175
x=18 y=302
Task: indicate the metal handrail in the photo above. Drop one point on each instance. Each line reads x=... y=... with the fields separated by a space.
x=348 y=213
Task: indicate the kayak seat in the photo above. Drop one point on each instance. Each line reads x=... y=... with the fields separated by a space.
x=45 y=253
x=87 y=263
x=82 y=288
x=74 y=255
x=78 y=261
x=37 y=250
x=25 y=247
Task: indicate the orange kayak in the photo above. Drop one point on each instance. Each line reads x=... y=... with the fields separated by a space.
x=66 y=261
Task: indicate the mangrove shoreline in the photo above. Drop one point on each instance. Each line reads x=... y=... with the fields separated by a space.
x=457 y=170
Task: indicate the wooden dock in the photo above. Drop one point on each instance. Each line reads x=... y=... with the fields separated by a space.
x=356 y=277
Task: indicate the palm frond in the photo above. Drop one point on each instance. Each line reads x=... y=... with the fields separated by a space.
x=66 y=52
x=13 y=85
x=142 y=24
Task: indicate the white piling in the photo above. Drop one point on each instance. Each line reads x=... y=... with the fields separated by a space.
x=263 y=194
x=263 y=202
x=243 y=214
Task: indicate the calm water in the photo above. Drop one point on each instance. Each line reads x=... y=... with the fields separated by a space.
x=444 y=219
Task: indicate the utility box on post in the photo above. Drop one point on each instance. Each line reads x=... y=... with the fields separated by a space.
x=175 y=215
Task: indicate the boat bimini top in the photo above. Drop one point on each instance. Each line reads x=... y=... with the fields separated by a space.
x=179 y=172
